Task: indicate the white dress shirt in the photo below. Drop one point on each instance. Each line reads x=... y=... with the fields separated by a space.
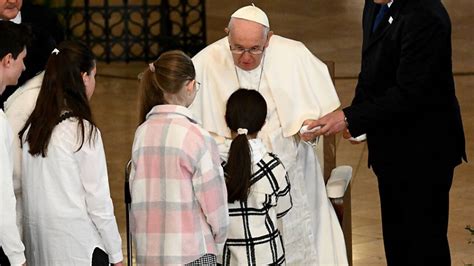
x=9 y=236
x=68 y=211
x=16 y=19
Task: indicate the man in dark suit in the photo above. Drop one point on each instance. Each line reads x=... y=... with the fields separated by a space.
x=43 y=23
x=405 y=103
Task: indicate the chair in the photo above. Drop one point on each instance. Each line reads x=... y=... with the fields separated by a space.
x=336 y=178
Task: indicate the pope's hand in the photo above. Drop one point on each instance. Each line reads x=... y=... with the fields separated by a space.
x=306 y=132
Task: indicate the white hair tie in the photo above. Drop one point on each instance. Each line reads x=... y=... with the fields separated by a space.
x=152 y=67
x=242 y=131
x=55 y=51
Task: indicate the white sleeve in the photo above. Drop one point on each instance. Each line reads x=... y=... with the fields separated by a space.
x=17 y=111
x=9 y=235
x=285 y=202
x=93 y=172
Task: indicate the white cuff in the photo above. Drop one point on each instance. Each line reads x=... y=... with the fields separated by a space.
x=17 y=259
x=115 y=258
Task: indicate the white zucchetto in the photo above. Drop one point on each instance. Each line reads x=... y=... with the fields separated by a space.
x=252 y=13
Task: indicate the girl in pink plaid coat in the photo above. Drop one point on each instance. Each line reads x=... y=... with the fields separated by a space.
x=179 y=198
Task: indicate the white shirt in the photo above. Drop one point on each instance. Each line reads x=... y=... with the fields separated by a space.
x=16 y=19
x=9 y=235
x=68 y=211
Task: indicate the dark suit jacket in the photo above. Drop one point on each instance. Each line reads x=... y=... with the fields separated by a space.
x=405 y=99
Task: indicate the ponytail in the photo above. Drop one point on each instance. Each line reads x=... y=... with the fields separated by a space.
x=238 y=169
x=150 y=94
x=245 y=115
x=166 y=74
x=62 y=90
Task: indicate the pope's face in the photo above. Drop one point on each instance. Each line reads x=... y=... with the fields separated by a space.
x=9 y=8
x=244 y=34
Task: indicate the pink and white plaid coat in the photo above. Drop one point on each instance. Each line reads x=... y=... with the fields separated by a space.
x=179 y=198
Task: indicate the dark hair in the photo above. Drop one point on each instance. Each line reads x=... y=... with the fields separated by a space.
x=39 y=50
x=245 y=109
x=171 y=70
x=14 y=38
x=62 y=90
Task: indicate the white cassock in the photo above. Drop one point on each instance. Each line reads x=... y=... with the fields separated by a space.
x=297 y=86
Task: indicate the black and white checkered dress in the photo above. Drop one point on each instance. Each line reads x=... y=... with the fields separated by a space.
x=253 y=237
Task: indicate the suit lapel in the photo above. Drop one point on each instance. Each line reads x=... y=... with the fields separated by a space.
x=369 y=16
x=384 y=26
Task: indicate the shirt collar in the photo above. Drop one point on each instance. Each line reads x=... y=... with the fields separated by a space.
x=16 y=19
x=170 y=110
x=257 y=150
x=390 y=4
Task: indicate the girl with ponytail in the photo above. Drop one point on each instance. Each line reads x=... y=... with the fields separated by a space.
x=68 y=213
x=179 y=200
x=257 y=185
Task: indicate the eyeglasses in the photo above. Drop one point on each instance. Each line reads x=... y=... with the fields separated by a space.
x=240 y=50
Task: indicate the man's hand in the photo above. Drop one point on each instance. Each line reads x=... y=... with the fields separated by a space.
x=118 y=264
x=347 y=135
x=330 y=124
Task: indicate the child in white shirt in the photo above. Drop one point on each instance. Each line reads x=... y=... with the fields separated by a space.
x=12 y=53
x=68 y=213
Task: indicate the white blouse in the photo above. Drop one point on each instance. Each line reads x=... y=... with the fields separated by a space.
x=68 y=211
x=9 y=236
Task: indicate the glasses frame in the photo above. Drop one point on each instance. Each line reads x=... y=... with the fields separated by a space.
x=252 y=51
